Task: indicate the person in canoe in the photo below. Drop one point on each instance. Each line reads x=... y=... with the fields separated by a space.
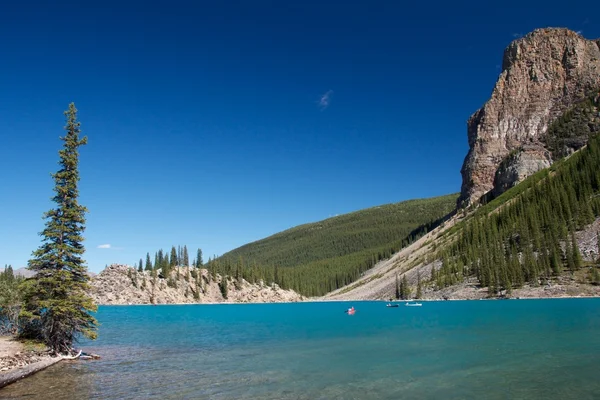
x=350 y=311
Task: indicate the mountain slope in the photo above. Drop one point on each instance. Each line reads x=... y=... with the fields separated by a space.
x=316 y=258
x=539 y=238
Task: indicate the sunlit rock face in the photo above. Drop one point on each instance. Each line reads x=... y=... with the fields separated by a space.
x=543 y=74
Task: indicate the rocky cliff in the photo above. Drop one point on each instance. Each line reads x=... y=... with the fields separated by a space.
x=543 y=74
x=121 y=284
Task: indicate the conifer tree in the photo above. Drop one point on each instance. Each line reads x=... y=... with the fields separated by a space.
x=419 y=288
x=577 y=261
x=140 y=266
x=223 y=287
x=406 y=288
x=398 y=290
x=148 y=262
x=56 y=306
x=595 y=276
x=186 y=258
x=598 y=240
x=9 y=274
x=173 y=262
x=10 y=300
x=199 y=261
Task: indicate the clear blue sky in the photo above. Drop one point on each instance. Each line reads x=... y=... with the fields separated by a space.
x=214 y=124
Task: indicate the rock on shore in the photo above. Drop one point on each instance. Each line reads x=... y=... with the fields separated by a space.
x=122 y=284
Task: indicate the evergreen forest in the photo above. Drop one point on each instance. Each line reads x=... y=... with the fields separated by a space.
x=528 y=234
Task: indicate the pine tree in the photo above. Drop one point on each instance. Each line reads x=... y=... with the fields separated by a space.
x=148 y=262
x=398 y=289
x=199 y=261
x=173 y=262
x=186 y=258
x=406 y=288
x=9 y=274
x=595 y=276
x=223 y=287
x=577 y=261
x=419 y=288
x=598 y=240
x=56 y=306
x=140 y=266
x=10 y=300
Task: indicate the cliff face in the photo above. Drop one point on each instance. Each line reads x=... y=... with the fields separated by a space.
x=121 y=284
x=543 y=74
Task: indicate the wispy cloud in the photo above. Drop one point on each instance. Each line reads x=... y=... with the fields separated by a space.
x=325 y=100
x=579 y=32
x=586 y=21
x=104 y=246
x=517 y=35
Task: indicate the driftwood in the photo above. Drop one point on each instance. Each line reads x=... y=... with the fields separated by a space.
x=17 y=374
x=30 y=369
x=75 y=357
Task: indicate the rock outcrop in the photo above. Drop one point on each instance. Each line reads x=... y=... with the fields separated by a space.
x=121 y=284
x=543 y=74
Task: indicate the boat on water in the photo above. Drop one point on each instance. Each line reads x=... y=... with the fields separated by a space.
x=413 y=304
x=350 y=311
x=391 y=305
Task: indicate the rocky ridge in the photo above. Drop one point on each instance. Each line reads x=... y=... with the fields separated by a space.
x=122 y=284
x=543 y=74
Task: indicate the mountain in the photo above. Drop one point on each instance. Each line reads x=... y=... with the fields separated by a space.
x=543 y=74
x=319 y=257
x=541 y=238
x=532 y=179
x=25 y=273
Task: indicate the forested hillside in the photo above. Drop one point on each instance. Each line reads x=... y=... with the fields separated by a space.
x=317 y=258
x=527 y=234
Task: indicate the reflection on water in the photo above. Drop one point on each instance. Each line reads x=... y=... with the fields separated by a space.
x=492 y=350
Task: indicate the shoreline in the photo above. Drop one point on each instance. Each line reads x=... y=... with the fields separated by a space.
x=329 y=300
x=19 y=360
x=16 y=374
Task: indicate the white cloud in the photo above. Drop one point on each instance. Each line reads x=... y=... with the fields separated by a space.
x=517 y=35
x=579 y=32
x=104 y=246
x=325 y=100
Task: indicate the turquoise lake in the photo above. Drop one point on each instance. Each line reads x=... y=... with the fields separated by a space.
x=509 y=349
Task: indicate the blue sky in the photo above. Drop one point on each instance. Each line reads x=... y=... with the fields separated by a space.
x=213 y=124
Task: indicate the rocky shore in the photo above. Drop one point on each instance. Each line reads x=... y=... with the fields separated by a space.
x=18 y=361
x=122 y=284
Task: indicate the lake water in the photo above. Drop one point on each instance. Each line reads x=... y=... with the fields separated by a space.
x=512 y=349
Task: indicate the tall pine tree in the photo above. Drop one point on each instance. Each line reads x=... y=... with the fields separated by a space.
x=56 y=307
x=148 y=262
x=199 y=261
x=186 y=258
